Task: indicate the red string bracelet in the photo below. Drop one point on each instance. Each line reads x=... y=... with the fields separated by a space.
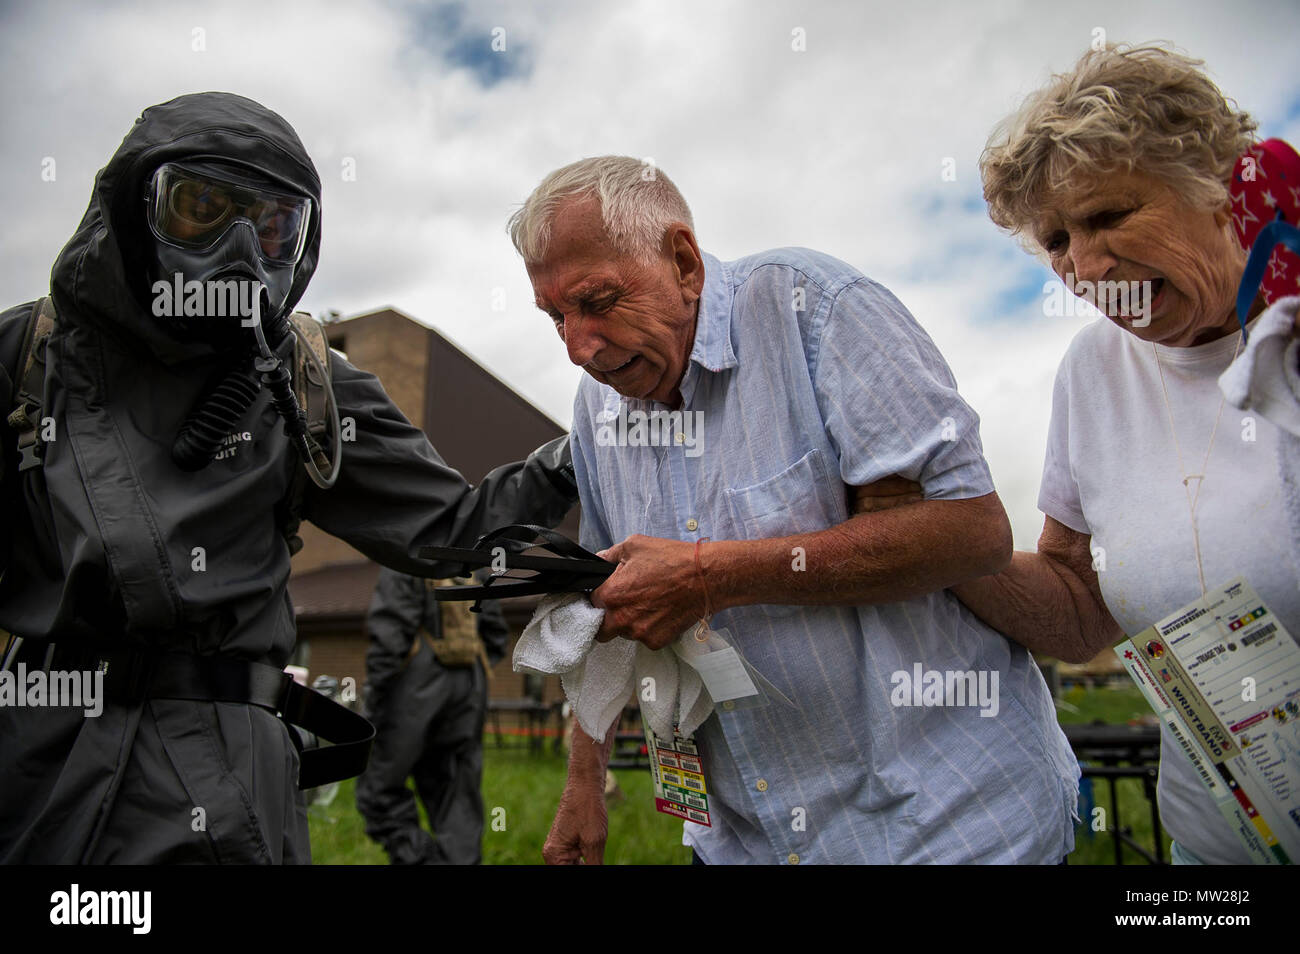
x=703 y=586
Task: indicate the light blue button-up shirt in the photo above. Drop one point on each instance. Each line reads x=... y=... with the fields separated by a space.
x=808 y=376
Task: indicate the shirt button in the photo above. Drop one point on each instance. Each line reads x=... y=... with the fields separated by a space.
x=792 y=858
x=681 y=438
x=761 y=785
x=692 y=524
x=728 y=705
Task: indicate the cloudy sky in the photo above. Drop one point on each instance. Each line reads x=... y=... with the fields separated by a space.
x=840 y=146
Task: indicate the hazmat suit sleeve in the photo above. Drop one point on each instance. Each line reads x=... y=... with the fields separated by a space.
x=494 y=632
x=395 y=494
x=391 y=623
x=13 y=325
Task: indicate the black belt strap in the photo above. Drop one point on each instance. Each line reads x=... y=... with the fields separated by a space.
x=131 y=676
x=350 y=733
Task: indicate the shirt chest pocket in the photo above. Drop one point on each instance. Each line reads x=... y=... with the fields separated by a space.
x=799 y=499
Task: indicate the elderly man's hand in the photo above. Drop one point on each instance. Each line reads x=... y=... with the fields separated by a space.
x=581 y=825
x=654 y=594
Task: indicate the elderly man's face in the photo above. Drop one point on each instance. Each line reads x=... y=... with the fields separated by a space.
x=628 y=324
x=1133 y=228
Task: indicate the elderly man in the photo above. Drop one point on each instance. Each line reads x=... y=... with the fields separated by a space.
x=806 y=376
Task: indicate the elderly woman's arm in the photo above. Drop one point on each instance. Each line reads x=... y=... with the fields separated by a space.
x=1049 y=601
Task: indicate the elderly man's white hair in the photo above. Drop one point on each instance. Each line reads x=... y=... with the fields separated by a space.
x=637 y=201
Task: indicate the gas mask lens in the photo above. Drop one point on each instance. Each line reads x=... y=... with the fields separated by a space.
x=192 y=208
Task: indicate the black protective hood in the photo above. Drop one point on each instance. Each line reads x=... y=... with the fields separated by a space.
x=101 y=276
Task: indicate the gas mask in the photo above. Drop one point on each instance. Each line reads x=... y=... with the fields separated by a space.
x=226 y=243
x=227 y=232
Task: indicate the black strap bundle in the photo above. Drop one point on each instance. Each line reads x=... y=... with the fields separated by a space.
x=572 y=569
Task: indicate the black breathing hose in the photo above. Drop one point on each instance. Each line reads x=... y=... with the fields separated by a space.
x=280 y=382
x=214 y=419
x=220 y=413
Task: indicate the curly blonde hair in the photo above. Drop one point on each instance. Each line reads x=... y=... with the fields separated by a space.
x=1121 y=108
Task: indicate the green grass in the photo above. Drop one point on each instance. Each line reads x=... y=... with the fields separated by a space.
x=1120 y=705
x=338 y=833
x=527 y=787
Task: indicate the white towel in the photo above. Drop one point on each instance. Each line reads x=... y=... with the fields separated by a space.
x=599 y=678
x=1264 y=376
x=1265 y=379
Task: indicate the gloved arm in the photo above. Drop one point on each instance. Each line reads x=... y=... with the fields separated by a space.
x=395 y=494
x=391 y=623
x=494 y=632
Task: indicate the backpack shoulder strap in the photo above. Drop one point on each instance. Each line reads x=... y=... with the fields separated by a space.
x=306 y=379
x=25 y=416
x=311 y=392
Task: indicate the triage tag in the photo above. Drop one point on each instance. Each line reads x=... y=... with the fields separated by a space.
x=1220 y=673
x=678 y=776
x=720 y=666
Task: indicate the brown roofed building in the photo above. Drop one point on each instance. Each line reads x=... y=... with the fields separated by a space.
x=474 y=420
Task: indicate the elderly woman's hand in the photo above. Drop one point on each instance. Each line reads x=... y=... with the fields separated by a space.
x=884 y=494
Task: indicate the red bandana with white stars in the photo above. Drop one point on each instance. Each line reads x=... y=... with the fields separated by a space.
x=1266 y=181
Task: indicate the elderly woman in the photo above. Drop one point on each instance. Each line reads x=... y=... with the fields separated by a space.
x=1152 y=491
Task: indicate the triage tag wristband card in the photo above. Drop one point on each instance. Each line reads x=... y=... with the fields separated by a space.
x=1223 y=675
x=679 y=777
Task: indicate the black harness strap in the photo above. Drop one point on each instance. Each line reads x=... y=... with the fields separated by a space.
x=25 y=416
x=573 y=570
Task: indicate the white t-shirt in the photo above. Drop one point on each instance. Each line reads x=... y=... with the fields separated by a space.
x=1112 y=472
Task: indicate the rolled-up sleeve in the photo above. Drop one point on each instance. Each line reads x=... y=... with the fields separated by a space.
x=888 y=399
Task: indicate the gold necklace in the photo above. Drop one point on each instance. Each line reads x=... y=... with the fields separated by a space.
x=1192 y=498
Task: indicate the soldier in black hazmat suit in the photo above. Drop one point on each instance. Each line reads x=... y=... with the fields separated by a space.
x=99 y=546
x=428 y=704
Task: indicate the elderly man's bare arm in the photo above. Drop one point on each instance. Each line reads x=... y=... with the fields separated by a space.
x=581 y=824
x=878 y=556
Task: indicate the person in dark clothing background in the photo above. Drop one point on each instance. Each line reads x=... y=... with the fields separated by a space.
x=426 y=692
x=172 y=580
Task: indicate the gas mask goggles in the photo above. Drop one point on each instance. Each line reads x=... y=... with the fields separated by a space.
x=216 y=221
